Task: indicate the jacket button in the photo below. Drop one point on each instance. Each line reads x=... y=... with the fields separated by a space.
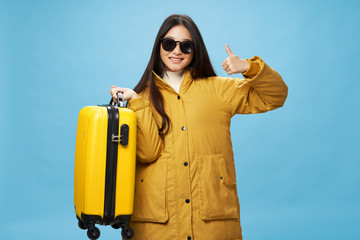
x=183 y=128
x=185 y=164
x=187 y=200
x=178 y=97
x=189 y=238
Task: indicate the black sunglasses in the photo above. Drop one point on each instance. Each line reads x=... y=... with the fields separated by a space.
x=169 y=44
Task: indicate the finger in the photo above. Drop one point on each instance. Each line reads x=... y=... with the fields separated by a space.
x=119 y=89
x=226 y=62
x=112 y=90
x=113 y=94
x=229 y=52
x=230 y=72
x=115 y=90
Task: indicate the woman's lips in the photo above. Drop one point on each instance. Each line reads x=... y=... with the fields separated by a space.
x=175 y=60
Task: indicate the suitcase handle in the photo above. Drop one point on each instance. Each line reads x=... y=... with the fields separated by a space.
x=120 y=100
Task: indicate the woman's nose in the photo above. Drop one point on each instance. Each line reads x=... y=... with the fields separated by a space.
x=177 y=49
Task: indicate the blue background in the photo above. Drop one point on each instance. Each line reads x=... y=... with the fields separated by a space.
x=297 y=167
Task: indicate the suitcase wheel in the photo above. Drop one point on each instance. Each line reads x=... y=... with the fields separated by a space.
x=93 y=233
x=82 y=225
x=127 y=232
x=116 y=226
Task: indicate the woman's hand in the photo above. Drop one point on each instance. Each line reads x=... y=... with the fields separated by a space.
x=128 y=93
x=233 y=64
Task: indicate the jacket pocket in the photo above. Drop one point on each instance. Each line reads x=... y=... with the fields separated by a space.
x=218 y=198
x=150 y=192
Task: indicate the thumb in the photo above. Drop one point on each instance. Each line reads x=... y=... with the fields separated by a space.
x=229 y=52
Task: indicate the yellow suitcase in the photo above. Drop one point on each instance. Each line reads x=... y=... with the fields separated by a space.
x=105 y=159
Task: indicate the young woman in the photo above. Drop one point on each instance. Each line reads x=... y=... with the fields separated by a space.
x=185 y=175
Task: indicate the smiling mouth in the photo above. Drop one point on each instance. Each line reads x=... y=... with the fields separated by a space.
x=176 y=60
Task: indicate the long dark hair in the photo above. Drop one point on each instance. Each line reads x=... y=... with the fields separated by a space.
x=200 y=65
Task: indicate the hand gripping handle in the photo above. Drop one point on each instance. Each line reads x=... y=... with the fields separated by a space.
x=120 y=100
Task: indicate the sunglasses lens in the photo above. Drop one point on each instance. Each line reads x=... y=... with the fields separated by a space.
x=187 y=47
x=168 y=44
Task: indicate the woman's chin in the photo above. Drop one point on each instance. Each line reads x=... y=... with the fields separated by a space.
x=174 y=67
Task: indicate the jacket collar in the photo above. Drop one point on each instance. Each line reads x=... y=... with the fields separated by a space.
x=184 y=86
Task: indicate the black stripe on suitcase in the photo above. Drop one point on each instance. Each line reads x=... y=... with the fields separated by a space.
x=111 y=165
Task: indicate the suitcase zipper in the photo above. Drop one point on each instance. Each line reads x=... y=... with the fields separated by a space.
x=111 y=165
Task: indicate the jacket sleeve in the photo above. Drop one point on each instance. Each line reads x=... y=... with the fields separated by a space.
x=262 y=89
x=149 y=143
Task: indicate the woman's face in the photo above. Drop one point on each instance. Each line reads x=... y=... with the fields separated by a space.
x=176 y=60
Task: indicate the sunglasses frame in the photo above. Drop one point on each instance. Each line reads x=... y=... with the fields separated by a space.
x=181 y=46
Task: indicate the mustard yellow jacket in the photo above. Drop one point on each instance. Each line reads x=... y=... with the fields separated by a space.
x=185 y=182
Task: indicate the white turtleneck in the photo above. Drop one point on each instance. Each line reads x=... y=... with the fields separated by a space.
x=174 y=79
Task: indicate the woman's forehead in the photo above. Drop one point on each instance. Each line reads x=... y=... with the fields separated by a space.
x=179 y=33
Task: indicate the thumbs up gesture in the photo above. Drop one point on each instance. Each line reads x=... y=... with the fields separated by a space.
x=233 y=64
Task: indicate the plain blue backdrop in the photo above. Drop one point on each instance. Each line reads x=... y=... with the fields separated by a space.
x=297 y=167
